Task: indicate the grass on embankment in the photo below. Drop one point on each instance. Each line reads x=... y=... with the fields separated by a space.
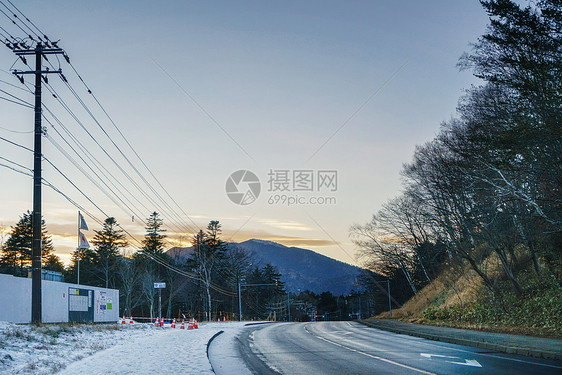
x=463 y=302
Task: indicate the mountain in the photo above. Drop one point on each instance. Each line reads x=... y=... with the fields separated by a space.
x=302 y=269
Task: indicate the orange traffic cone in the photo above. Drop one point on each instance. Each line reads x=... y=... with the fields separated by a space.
x=131 y=320
x=157 y=322
x=123 y=320
x=190 y=325
x=182 y=325
x=195 y=325
x=173 y=323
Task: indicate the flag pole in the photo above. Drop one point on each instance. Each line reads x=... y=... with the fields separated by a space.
x=78 y=277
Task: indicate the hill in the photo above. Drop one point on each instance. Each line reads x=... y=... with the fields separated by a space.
x=302 y=269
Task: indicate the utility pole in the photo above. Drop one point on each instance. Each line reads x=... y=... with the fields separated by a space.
x=78 y=262
x=389 y=304
x=289 y=305
x=239 y=304
x=160 y=303
x=39 y=51
x=276 y=284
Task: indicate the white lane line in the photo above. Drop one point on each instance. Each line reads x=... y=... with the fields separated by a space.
x=370 y=355
x=491 y=355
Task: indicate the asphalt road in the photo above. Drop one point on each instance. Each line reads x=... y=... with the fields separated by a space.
x=346 y=348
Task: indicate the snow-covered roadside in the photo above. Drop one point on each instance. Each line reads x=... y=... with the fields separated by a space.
x=26 y=349
x=167 y=351
x=224 y=355
x=116 y=349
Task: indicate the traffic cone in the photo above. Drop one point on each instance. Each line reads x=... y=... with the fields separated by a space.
x=182 y=325
x=157 y=322
x=123 y=320
x=190 y=325
x=173 y=323
x=195 y=325
x=131 y=321
x=162 y=323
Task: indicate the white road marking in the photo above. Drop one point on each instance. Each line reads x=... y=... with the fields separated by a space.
x=370 y=355
x=342 y=332
x=490 y=355
x=466 y=362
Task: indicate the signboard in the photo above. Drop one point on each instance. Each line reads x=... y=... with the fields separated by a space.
x=159 y=285
x=80 y=305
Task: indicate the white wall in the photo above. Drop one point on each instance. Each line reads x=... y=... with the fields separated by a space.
x=15 y=301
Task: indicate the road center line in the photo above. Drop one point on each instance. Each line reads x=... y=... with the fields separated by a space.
x=370 y=355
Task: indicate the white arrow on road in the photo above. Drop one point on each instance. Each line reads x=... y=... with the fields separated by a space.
x=454 y=360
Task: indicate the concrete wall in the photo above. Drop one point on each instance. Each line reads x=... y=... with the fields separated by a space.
x=15 y=301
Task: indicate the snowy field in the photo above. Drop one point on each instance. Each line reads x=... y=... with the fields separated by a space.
x=108 y=348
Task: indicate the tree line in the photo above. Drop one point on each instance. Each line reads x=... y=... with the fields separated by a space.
x=486 y=192
x=203 y=285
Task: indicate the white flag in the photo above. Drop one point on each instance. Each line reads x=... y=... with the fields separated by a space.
x=83 y=242
x=83 y=224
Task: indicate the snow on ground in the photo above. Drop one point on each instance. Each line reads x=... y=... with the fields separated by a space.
x=115 y=349
x=167 y=351
x=26 y=349
x=225 y=356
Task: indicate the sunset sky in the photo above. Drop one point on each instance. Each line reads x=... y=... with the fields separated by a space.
x=202 y=89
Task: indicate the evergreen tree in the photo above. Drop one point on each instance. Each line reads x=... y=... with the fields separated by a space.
x=207 y=257
x=108 y=242
x=16 y=253
x=88 y=267
x=153 y=247
x=154 y=238
x=53 y=263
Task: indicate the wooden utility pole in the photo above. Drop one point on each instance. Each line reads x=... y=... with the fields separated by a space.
x=39 y=51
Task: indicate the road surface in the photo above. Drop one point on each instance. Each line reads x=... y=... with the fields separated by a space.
x=346 y=348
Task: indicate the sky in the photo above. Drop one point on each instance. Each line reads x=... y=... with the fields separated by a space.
x=322 y=101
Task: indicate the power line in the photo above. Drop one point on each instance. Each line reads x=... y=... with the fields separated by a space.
x=118 y=148
x=19 y=165
x=130 y=146
x=67 y=108
x=15 y=170
x=23 y=23
x=94 y=161
x=135 y=184
x=15 y=97
x=76 y=118
x=15 y=144
x=18 y=103
x=27 y=19
x=14 y=46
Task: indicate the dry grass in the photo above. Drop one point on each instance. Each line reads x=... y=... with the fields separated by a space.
x=461 y=287
x=451 y=287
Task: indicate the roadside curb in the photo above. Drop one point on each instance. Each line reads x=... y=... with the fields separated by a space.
x=208 y=344
x=255 y=324
x=529 y=352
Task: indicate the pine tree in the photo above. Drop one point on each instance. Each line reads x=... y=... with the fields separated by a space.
x=16 y=254
x=108 y=242
x=153 y=247
x=154 y=238
x=208 y=254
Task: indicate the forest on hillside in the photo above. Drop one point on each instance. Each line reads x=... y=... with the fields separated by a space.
x=484 y=197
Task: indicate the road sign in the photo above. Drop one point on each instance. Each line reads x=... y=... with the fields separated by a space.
x=159 y=285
